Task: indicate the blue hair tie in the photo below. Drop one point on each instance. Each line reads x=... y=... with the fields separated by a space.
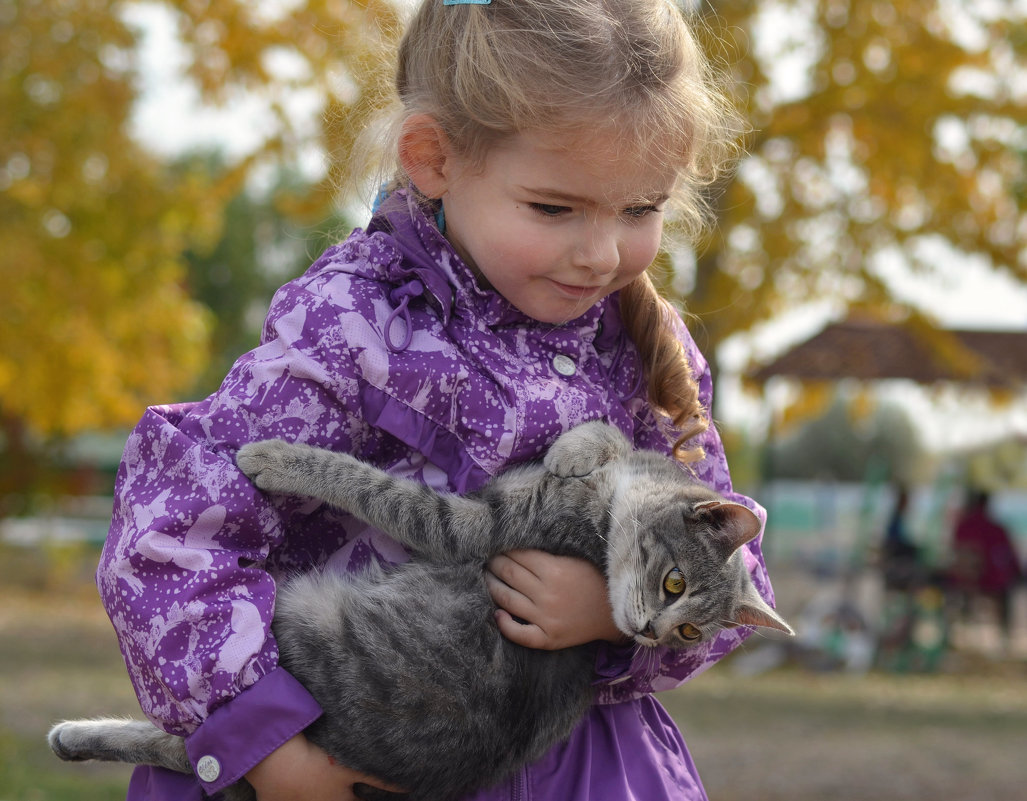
x=466 y=2
x=383 y=192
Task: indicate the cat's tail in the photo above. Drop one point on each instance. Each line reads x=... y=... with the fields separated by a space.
x=118 y=740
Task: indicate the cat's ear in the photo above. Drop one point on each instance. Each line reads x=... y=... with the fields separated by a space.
x=736 y=524
x=754 y=611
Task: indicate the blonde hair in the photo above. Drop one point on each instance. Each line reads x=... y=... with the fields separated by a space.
x=570 y=68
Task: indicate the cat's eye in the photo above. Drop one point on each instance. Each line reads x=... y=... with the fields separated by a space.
x=674 y=582
x=689 y=632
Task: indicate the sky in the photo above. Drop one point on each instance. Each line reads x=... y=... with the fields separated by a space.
x=170 y=117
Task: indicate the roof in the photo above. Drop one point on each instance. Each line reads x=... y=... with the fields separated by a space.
x=872 y=350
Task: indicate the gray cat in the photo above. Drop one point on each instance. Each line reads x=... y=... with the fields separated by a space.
x=417 y=685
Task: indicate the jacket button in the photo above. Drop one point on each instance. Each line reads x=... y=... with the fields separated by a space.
x=208 y=769
x=564 y=365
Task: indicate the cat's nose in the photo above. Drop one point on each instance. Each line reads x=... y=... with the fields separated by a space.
x=648 y=632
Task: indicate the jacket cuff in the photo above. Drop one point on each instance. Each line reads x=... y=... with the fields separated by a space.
x=243 y=731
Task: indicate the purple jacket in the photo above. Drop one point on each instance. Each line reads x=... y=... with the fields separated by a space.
x=387 y=349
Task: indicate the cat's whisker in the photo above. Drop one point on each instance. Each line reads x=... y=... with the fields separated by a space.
x=654 y=661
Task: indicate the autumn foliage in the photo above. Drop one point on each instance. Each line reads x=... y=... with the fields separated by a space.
x=882 y=132
x=898 y=134
x=97 y=320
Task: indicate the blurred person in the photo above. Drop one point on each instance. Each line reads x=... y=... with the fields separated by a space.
x=900 y=557
x=985 y=562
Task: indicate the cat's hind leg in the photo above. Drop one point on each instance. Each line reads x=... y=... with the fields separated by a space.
x=118 y=740
x=584 y=448
x=133 y=741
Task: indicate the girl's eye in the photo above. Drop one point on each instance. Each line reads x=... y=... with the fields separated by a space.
x=674 y=582
x=638 y=212
x=549 y=210
x=689 y=632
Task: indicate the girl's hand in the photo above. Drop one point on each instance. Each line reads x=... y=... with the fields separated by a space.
x=301 y=770
x=562 y=600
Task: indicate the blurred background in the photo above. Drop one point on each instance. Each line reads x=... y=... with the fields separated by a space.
x=165 y=166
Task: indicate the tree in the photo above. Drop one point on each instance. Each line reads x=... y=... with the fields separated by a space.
x=842 y=446
x=900 y=136
x=259 y=248
x=90 y=270
x=97 y=320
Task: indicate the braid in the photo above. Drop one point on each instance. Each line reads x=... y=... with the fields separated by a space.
x=670 y=385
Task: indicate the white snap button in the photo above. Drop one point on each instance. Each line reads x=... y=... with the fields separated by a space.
x=208 y=769
x=564 y=365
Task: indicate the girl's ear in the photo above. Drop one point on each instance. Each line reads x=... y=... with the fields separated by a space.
x=423 y=153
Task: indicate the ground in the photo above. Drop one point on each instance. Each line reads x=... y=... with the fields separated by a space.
x=787 y=733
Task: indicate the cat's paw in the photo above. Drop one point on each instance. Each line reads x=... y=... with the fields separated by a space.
x=62 y=742
x=267 y=463
x=81 y=740
x=585 y=448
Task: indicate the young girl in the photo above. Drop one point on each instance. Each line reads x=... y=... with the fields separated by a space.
x=497 y=298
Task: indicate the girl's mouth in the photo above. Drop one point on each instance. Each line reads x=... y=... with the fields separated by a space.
x=574 y=292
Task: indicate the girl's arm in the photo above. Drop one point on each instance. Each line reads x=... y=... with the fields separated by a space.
x=185 y=574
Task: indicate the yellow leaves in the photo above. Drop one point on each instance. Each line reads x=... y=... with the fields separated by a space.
x=810 y=402
x=91 y=302
x=90 y=348
x=95 y=318
x=904 y=132
x=862 y=405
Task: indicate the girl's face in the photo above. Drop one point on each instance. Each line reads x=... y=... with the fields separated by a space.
x=553 y=230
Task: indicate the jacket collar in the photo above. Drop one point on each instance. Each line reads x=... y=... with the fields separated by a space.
x=426 y=256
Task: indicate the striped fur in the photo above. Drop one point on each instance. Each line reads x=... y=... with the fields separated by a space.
x=418 y=686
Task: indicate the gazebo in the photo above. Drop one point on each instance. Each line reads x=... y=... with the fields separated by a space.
x=869 y=350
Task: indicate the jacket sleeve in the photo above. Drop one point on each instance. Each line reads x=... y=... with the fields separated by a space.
x=187 y=572
x=627 y=672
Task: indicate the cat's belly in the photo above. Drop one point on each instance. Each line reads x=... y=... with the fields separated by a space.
x=416 y=681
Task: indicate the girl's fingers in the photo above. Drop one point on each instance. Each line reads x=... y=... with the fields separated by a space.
x=515 y=569
x=508 y=598
x=526 y=634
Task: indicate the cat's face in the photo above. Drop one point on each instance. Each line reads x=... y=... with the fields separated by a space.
x=683 y=579
x=670 y=593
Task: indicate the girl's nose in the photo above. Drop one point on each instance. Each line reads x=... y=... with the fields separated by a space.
x=600 y=252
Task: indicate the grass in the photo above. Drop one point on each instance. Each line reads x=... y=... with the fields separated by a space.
x=59 y=659
x=794 y=735
x=787 y=734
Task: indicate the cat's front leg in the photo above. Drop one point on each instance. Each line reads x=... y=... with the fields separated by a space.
x=277 y=466
x=584 y=448
x=339 y=479
x=442 y=526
